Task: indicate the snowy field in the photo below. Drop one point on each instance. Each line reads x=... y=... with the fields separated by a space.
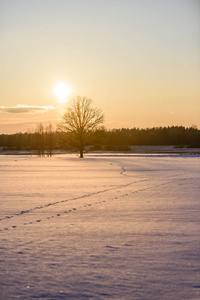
x=104 y=227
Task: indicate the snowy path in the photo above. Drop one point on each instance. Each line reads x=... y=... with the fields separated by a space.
x=106 y=227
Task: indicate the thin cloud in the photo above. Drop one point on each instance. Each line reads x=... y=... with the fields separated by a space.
x=24 y=109
x=22 y=122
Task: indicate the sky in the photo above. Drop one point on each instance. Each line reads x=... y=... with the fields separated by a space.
x=138 y=60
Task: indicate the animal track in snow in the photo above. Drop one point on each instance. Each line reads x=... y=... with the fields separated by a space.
x=85 y=205
x=67 y=200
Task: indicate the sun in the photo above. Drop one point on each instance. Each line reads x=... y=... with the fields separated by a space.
x=62 y=91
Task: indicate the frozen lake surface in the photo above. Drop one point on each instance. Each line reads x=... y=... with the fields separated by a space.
x=103 y=227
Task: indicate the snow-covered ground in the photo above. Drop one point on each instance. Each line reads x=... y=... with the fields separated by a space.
x=104 y=227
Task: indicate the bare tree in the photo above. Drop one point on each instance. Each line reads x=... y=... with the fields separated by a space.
x=49 y=138
x=80 y=120
x=39 y=132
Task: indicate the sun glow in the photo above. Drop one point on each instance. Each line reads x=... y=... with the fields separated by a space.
x=62 y=91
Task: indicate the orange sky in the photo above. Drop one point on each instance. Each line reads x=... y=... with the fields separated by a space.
x=138 y=60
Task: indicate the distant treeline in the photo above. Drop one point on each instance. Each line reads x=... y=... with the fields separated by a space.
x=44 y=140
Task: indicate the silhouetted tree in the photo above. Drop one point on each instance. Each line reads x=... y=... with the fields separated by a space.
x=81 y=120
x=49 y=138
x=39 y=133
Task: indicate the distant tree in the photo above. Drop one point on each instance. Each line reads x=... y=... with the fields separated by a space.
x=39 y=132
x=49 y=138
x=80 y=120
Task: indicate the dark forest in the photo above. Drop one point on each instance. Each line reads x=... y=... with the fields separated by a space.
x=45 y=140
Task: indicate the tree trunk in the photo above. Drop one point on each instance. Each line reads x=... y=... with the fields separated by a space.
x=81 y=152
